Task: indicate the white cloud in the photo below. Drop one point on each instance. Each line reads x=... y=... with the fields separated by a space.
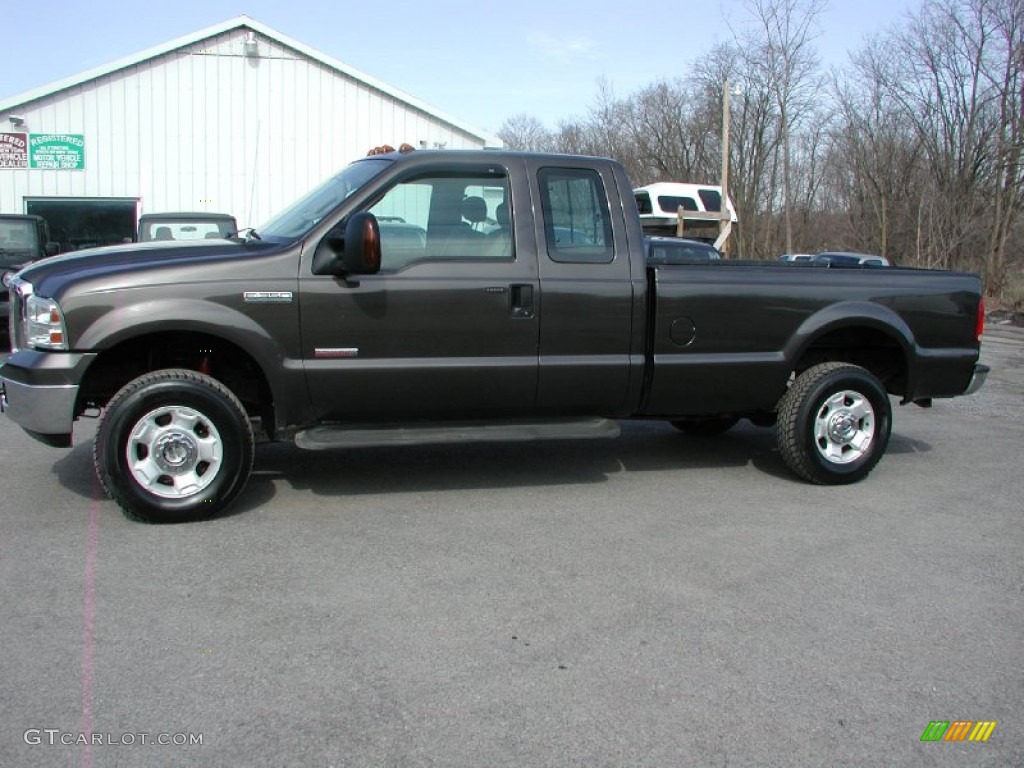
x=562 y=47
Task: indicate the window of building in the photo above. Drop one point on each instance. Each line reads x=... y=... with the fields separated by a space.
x=86 y=223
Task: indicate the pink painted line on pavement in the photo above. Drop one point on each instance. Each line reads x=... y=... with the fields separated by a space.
x=88 y=627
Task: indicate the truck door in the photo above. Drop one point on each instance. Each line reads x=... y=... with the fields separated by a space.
x=448 y=328
x=588 y=347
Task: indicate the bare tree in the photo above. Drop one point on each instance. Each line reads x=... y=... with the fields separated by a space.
x=916 y=151
x=754 y=140
x=874 y=153
x=573 y=137
x=607 y=128
x=788 y=65
x=672 y=141
x=956 y=80
x=525 y=133
x=1006 y=76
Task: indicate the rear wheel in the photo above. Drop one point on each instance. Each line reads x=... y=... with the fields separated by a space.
x=705 y=427
x=173 y=445
x=834 y=423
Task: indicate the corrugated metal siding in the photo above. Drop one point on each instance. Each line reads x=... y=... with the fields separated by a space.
x=209 y=128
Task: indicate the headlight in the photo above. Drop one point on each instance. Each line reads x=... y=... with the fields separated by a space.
x=6 y=279
x=44 y=324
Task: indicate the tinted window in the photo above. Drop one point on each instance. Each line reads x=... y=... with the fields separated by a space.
x=77 y=224
x=643 y=203
x=711 y=198
x=577 y=224
x=671 y=203
x=839 y=259
x=18 y=242
x=667 y=252
x=443 y=217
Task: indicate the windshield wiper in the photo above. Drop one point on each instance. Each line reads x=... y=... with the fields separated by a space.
x=250 y=233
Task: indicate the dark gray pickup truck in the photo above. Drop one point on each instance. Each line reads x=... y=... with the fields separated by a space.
x=428 y=297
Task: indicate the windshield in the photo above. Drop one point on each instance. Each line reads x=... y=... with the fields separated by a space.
x=18 y=242
x=298 y=218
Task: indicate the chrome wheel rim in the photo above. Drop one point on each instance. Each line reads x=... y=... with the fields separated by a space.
x=844 y=427
x=174 y=452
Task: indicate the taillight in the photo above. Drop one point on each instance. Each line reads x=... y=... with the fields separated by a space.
x=979 y=324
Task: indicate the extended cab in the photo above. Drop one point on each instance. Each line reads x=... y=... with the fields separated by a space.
x=426 y=297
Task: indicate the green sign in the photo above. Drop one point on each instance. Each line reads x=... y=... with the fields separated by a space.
x=56 y=151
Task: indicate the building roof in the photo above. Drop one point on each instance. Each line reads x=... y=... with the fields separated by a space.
x=246 y=23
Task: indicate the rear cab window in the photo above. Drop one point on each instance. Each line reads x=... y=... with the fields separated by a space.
x=577 y=222
x=187 y=229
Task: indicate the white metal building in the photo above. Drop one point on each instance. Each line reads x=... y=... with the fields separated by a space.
x=235 y=118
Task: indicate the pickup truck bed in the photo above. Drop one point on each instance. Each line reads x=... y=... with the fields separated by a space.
x=727 y=341
x=432 y=296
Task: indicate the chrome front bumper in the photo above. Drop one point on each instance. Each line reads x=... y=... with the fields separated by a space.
x=47 y=410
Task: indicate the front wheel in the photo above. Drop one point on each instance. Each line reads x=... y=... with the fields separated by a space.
x=173 y=445
x=834 y=423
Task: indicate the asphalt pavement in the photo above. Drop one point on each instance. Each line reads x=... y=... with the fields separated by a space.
x=654 y=600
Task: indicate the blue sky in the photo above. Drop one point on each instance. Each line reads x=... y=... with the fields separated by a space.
x=478 y=61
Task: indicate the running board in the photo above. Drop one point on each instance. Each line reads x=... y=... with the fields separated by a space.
x=434 y=433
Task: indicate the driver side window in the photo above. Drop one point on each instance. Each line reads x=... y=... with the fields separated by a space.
x=444 y=217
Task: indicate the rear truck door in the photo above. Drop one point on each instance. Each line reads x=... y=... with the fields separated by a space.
x=448 y=329
x=591 y=332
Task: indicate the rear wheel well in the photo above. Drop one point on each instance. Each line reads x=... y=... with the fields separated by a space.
x=870 y=348
x=223 y=360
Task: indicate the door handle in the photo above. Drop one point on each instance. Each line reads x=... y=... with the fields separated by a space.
x=521 y=301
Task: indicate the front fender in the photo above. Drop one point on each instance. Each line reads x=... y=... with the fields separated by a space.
x=274 y=351
x=129 y=321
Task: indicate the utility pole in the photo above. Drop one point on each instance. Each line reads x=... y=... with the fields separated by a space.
x=725 y=223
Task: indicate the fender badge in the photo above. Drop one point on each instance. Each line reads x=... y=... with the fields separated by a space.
x=267 y=297
x=335 y=352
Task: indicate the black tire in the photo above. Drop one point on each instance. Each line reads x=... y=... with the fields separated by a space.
x=834 y=424
x=205 y=440
x=706 y=427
